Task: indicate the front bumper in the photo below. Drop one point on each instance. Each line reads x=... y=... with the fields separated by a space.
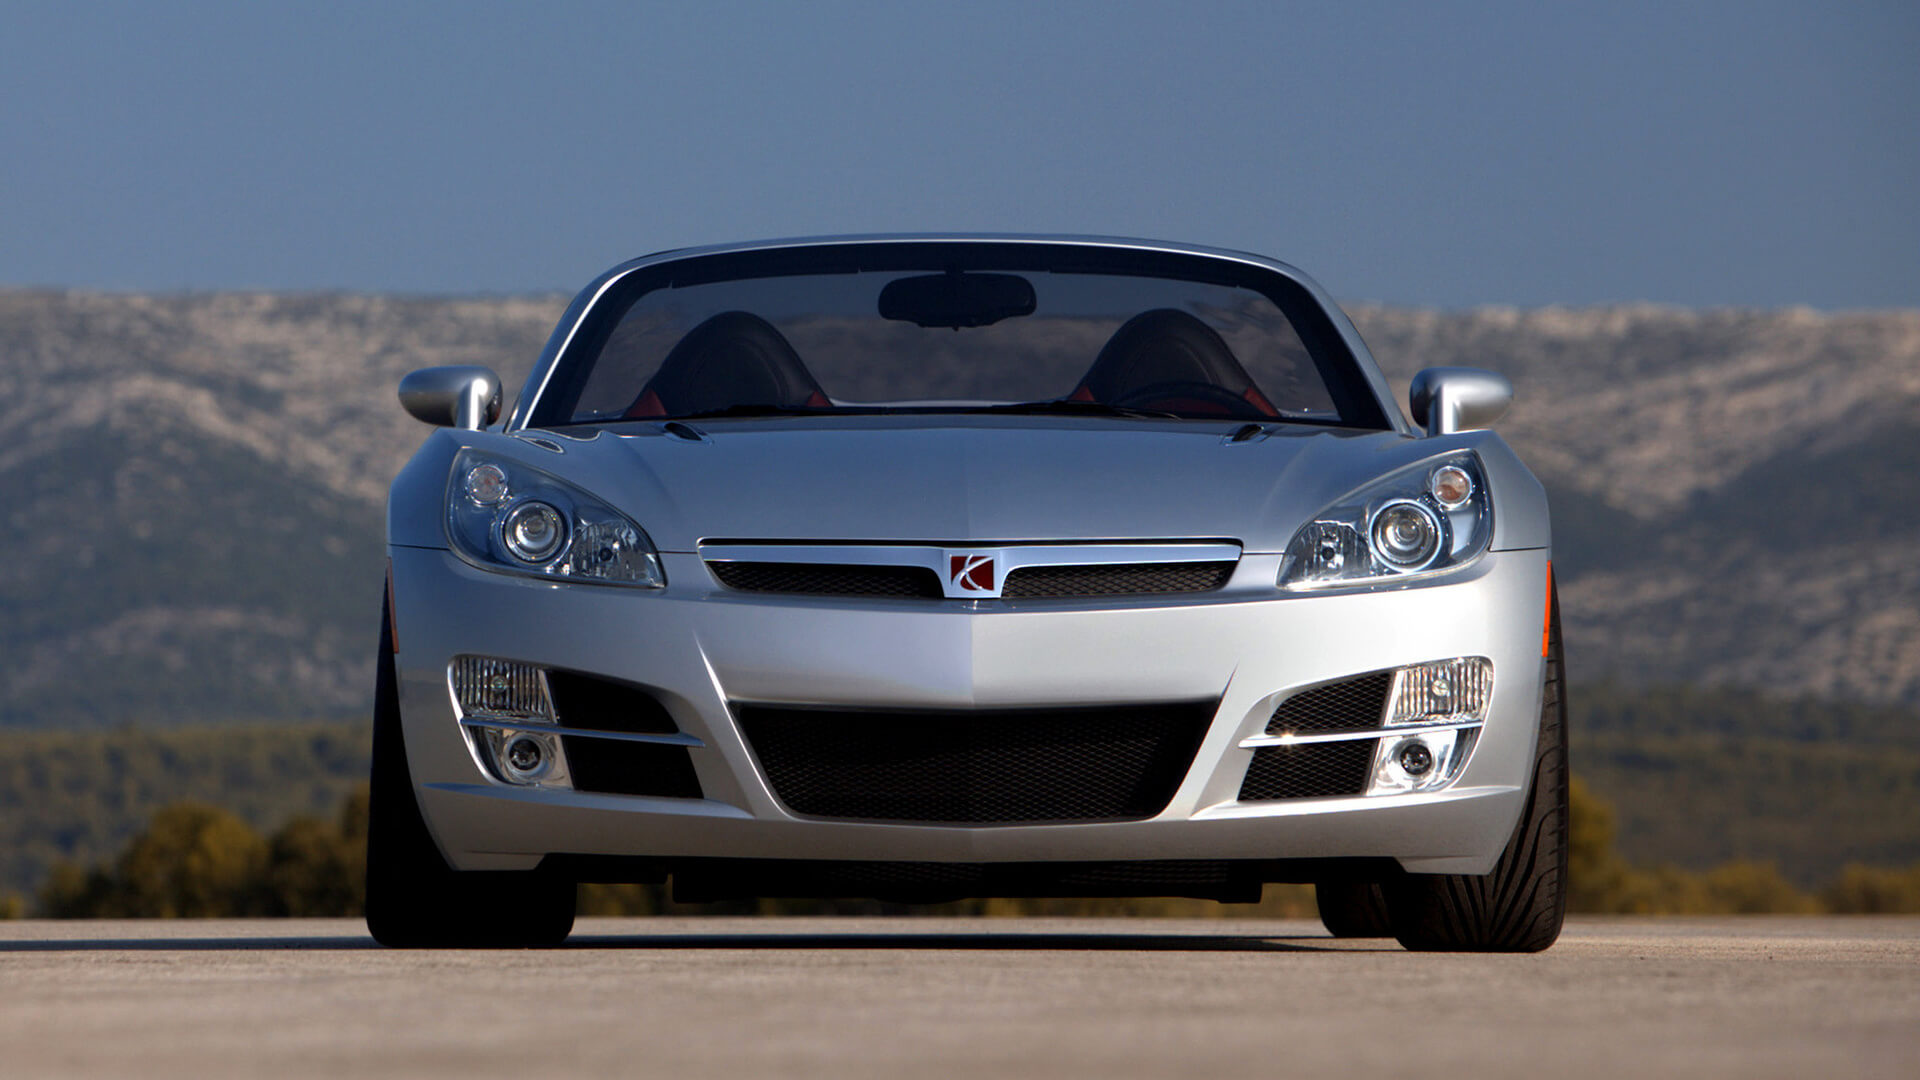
x=699 y=646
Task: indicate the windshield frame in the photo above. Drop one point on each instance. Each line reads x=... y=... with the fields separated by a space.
x=1351 y=378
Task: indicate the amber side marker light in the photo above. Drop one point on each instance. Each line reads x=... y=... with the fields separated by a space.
x=1546 y=620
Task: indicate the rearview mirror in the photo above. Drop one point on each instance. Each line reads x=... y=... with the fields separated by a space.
x=461 y=396
x=956 y=299
x=1450 y=399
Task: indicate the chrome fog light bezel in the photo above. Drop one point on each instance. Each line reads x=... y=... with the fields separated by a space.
x=1438 y=706
x=500 y=703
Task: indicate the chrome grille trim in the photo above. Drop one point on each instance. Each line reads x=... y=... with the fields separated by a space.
x=1254 y=742
x=1008 y=561
x=691 y=742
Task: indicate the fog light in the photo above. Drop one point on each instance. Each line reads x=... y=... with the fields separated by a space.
x=525 y=757
x=1427 y=761
x=1416 y=759
x=527 y=760
x=1444 y=691
x=506 y=689
x=530 y=758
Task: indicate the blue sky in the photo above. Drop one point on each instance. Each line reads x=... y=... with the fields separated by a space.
x=1750 y=154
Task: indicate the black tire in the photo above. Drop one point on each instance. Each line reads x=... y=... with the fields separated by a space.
x=414 y=899
x=1353 y=909
x=1521 y=905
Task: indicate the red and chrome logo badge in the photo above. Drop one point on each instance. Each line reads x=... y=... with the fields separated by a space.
x=970 y=573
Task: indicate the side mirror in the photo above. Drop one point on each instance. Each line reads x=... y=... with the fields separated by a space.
x=457 y=396
x=1450 y=399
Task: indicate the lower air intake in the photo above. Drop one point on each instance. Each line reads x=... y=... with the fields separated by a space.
x=617 y=766
x=977 y=767
x=1350 y=705
x=1309 y=771
x=611 y=767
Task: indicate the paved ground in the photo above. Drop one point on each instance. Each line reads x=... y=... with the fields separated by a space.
x=1758 y=997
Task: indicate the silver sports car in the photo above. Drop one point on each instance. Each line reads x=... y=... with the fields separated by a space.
x=928 y=567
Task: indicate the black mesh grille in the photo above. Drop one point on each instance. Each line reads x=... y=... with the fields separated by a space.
x=977 y=766
x=619 y=767
x=1353 y=705
x=827 y=579
x=1121 y=579
x=1309 y=771
x=583 y=701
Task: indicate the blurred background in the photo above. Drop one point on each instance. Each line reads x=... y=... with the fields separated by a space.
x=1688 y=233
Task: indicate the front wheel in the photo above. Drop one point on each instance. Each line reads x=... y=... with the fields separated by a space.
x=414 y=898
x=1521 y=905
x=1353 y=909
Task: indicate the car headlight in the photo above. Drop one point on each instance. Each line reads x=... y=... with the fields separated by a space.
x=1421 y=520
x=502 y=515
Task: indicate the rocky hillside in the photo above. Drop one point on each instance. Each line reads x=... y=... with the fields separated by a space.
x=193 y=489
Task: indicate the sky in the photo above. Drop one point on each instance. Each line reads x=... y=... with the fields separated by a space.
x=1753 y=154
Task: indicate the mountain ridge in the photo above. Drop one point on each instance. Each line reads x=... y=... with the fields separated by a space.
x=1736 y=493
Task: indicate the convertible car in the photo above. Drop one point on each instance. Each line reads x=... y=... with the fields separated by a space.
x=929 y=567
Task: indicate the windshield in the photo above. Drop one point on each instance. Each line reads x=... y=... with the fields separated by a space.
x=957 y=328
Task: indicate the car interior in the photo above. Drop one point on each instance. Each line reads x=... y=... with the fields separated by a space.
x=1159 y=360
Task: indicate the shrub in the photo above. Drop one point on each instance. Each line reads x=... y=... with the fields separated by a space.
x=1873 y=890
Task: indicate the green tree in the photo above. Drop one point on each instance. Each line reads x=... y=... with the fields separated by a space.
x=193 y=861
x=319 y=868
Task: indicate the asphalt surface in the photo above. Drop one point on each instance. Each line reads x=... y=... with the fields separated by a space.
x=1749 y=997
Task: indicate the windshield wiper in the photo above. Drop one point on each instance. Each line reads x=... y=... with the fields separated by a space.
x=757 y=409
x=1070 y=407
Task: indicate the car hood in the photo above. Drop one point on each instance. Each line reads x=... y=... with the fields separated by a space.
x=973 y=479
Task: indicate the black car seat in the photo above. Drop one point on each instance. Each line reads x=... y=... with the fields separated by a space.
x=734 y=358
x=1169 y=359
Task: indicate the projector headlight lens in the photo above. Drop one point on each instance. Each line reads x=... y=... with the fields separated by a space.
x=1406 y=535
x=534 y=531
